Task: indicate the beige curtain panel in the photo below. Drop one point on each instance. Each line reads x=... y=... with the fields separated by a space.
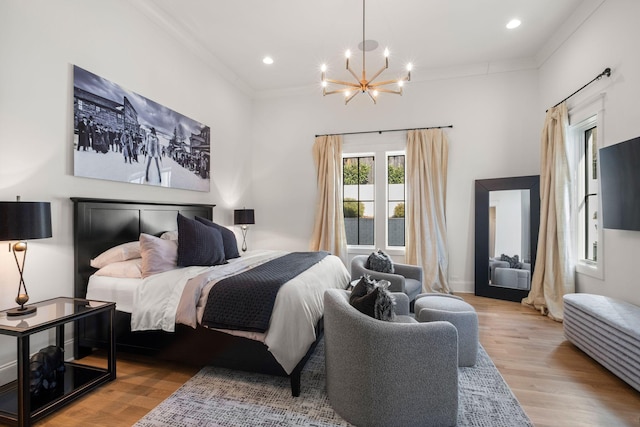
x=328 y=231
x=426 y=244
x=554 y=270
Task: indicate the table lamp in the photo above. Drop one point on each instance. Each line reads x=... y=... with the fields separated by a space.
x=23 y=221
x=243 y=217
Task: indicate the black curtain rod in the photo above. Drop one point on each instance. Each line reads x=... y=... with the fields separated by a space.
x=386 y=130
x=606 y=72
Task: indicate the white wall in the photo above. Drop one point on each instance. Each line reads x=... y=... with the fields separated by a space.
x=508 y=204
x=40 y=41
x=609 y=38
x=496 y=121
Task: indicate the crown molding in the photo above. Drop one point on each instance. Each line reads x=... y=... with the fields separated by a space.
x=567 y=29
x=160 y=17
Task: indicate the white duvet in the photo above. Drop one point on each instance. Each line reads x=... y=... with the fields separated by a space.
x=178 y=296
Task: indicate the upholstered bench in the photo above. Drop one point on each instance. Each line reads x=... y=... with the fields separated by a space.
x=435 y=307
x=608 y=330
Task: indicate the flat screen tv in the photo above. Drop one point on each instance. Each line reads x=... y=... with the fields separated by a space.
x=620 y=185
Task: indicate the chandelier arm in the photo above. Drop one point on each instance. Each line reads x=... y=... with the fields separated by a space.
x=344 y=90
x=396 y=92
x=350 y=97
x=373 y=98
x=377 y=74
x=384 y=83
x=353 y=74
x=343 y=83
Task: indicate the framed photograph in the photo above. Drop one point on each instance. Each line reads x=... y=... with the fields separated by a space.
x=122 y=136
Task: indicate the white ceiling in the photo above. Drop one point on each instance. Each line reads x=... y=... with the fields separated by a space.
x=439 y=37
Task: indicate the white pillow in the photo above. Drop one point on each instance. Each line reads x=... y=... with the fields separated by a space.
x=170 y=235
x=131 y=269
x=158 y=254
x=123 y=252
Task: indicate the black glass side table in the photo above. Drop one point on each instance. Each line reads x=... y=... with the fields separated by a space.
x=17 y=405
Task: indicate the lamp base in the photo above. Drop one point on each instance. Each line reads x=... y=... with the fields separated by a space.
x=21 y=311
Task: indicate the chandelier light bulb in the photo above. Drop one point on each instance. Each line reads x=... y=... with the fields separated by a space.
x=347 y=54
x=409 y=66
x=386 y=53
x=324 y=83
x=347 y=94
x=375 y=93
x=323 y=68
x=267 y=60
x=400 y=83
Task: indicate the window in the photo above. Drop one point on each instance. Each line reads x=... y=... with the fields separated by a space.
x=362 y=199
x=584 y=140
x=395 y=200
x=588 y=210
x=359 y=199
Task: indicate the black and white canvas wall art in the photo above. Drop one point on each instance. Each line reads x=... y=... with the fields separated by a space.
x=122 y=136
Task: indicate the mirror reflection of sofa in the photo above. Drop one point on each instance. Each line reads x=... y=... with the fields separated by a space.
x=502 y=274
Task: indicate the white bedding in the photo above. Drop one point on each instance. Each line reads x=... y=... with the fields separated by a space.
x=120 y=290
x=178 y=296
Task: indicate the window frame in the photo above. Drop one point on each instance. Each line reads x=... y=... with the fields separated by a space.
x=375 y=195
x=387 y=154
x=579 y=124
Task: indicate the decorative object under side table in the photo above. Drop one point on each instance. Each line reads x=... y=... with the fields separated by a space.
x=17 y=404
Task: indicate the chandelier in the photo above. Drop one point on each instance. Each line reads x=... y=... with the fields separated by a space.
x=362 y=84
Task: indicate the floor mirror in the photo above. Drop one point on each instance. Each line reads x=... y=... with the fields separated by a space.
x=507 y=218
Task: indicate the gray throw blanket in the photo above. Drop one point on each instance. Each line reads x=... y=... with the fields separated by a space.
x=245 y=301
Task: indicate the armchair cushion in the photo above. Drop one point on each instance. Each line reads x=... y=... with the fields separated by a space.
x=379 y=261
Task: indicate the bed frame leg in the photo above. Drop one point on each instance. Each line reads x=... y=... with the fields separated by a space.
x=295 y=382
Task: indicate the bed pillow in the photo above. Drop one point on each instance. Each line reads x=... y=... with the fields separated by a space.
x=170 y=235
x=198 y=244
x=158 y=254
x=130 y=269
x=373 y=299
x=380 y=262
x=228 y=238
x=118 y=253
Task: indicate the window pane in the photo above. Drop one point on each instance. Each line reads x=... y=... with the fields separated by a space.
x=359 y=197
x=395 y=200
x=591 y=196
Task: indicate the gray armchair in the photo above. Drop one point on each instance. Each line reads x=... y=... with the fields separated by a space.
x=389 y=373
x=502 y=275
x=406 y=278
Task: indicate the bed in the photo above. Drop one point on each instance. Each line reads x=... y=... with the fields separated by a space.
x=102 y=224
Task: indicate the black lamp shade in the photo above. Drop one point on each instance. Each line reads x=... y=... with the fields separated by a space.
x=25 y=220
x=243 y=216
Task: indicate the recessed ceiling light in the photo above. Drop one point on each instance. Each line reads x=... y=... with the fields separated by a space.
x=268 y=60
x=514 y=23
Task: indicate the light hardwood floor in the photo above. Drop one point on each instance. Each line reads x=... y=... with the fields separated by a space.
x=556 y=383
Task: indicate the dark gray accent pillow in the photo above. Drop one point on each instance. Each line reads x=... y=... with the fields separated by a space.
x=513 y=261
x=228 y=238
x=380 y=262
x=198 y=244
x=371 y=298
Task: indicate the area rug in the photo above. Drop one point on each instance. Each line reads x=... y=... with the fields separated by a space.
x=223 y=397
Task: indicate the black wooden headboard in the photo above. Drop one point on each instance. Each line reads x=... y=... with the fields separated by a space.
x=100 y=224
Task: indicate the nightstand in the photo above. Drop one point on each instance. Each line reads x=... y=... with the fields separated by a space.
x=17 y=405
